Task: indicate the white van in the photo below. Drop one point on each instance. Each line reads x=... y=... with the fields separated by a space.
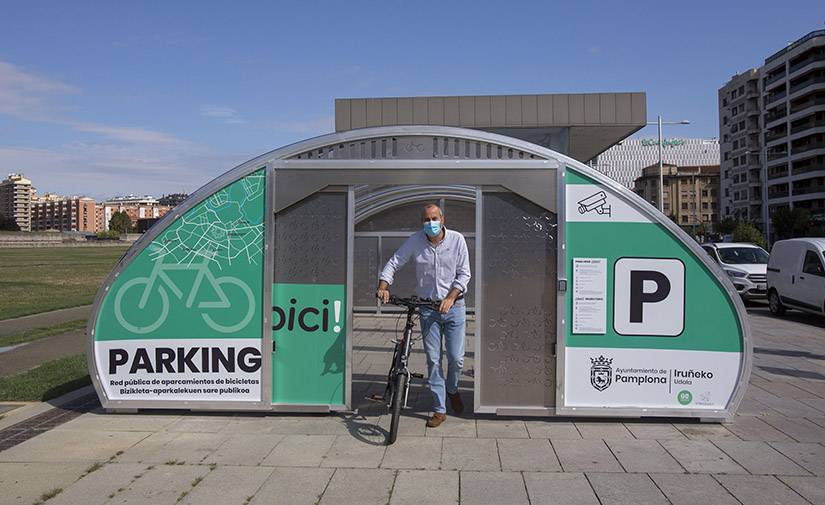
x=796 y=276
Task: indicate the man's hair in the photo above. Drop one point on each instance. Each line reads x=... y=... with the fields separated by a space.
x=431 y=205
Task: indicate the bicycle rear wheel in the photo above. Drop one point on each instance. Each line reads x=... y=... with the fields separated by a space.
x=397 y=403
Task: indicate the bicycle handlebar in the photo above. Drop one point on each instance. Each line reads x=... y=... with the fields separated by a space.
x=414 y=302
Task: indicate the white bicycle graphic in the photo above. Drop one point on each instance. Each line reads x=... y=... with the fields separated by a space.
x=153 y=317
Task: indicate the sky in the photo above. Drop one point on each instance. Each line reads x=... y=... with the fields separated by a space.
x=155 y=97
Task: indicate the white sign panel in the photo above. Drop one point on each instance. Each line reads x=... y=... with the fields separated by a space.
x=590 y=295
x=181 y=369
x=596 y=203
x=649 y=297
x=649 y=378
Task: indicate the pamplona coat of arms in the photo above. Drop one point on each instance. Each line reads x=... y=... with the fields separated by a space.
x=601 y=373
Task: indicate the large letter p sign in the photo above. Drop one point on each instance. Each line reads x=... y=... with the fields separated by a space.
x=649 y=297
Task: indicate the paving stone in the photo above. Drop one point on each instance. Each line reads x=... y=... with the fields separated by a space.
x=350 y=452
x=453 y=427
x=300 y=450
x=414 y=487
x=817 y=403
x=413 y=423
x=413 y=453
x=246 y=449
x=562 y=488
x=359 y=487
x=354 y=424
x=810 y=488
x=190 y=448
x=701 y=456
x=754 y=428
x=97 y=421
x=791 y=407
x=194 y=423
x=81 y=446
x=801 y=430
x=24 y=483
x=98 y=486
x=163 y=484
x=643 y=456
x=147 y=447
x=654 y=431
x=757 y=490
x=781 y=389
x=300 y=425
x=506 y=427
x=293 y=486
x=809 y=456
x=248 y=424
x=228 y=484
x=620 y=489
x=479 y=454
x=759 y=458
x=527 y=455
x=690 y=489
x=585 y=456
x=493 y=488
x=695 y=431
x=552 y=429
x=603 y=430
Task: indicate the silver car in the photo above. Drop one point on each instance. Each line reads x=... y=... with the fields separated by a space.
x=746 y=265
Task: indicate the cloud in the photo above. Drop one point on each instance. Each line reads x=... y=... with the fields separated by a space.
x=594 y=49
x=29 y=97
x=228 y=114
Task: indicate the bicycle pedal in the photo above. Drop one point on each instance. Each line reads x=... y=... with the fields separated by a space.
x=395 y=342
x=418 y=375
x=375 y=398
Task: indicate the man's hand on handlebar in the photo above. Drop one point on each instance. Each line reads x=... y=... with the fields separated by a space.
x=383 y=292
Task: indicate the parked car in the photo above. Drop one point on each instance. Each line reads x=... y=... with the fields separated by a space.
x=796 y=276
x=745 y=264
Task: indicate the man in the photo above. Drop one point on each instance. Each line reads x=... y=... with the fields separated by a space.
x=442 y=268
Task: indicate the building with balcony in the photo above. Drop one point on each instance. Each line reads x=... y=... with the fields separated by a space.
x=15 y=200
x=772 y=132
x=137 y=207
x=691 y=193
x=74 y=213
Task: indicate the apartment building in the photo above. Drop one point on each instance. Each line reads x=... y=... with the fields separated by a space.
x=691 y=193
x=15 y=200
x=51 y=212
x=772 y=132
x=137 y=207
x=625 y=161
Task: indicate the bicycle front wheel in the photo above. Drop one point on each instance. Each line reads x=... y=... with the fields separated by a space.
x=397 y=403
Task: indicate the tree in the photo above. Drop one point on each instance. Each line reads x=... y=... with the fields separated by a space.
x=747 y=232
x=120 y=222
x=8 y=224
x=789 y=223
x=727 y=225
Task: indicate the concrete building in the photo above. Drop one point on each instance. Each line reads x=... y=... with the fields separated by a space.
x=137 y=207
x=691 y=195
x=624 y=161
x=63 y=213
x=772 y=132
x=15 y=200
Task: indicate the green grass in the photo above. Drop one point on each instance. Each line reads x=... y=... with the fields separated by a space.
x=47 y=381
x=35 y=280
x=40 y=333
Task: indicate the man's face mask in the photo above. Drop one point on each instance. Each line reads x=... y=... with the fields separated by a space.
x=432 y=228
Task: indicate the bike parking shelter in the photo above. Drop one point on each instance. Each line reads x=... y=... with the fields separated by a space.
x=588 y=301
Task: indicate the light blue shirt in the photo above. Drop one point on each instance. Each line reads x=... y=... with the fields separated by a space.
x=437 y=268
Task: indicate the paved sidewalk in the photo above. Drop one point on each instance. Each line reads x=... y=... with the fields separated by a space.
x=774 y=452
x=26 y=323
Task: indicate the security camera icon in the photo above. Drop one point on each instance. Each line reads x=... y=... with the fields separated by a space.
x=595 y=202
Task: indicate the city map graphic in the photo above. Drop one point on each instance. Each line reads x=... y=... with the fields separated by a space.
x=227 y=227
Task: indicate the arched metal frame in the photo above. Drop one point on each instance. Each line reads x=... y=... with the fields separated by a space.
x=457 y=161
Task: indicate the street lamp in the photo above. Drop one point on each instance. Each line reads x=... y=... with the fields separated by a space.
x=661 y=175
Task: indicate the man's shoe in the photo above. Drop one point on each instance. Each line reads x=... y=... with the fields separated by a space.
x=456 y=403
x=436 y=420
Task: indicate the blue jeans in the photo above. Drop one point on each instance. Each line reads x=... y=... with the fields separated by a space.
x=452 y=326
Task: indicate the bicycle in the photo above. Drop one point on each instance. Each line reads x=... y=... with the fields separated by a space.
x=398 y=378
x=155 y=317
